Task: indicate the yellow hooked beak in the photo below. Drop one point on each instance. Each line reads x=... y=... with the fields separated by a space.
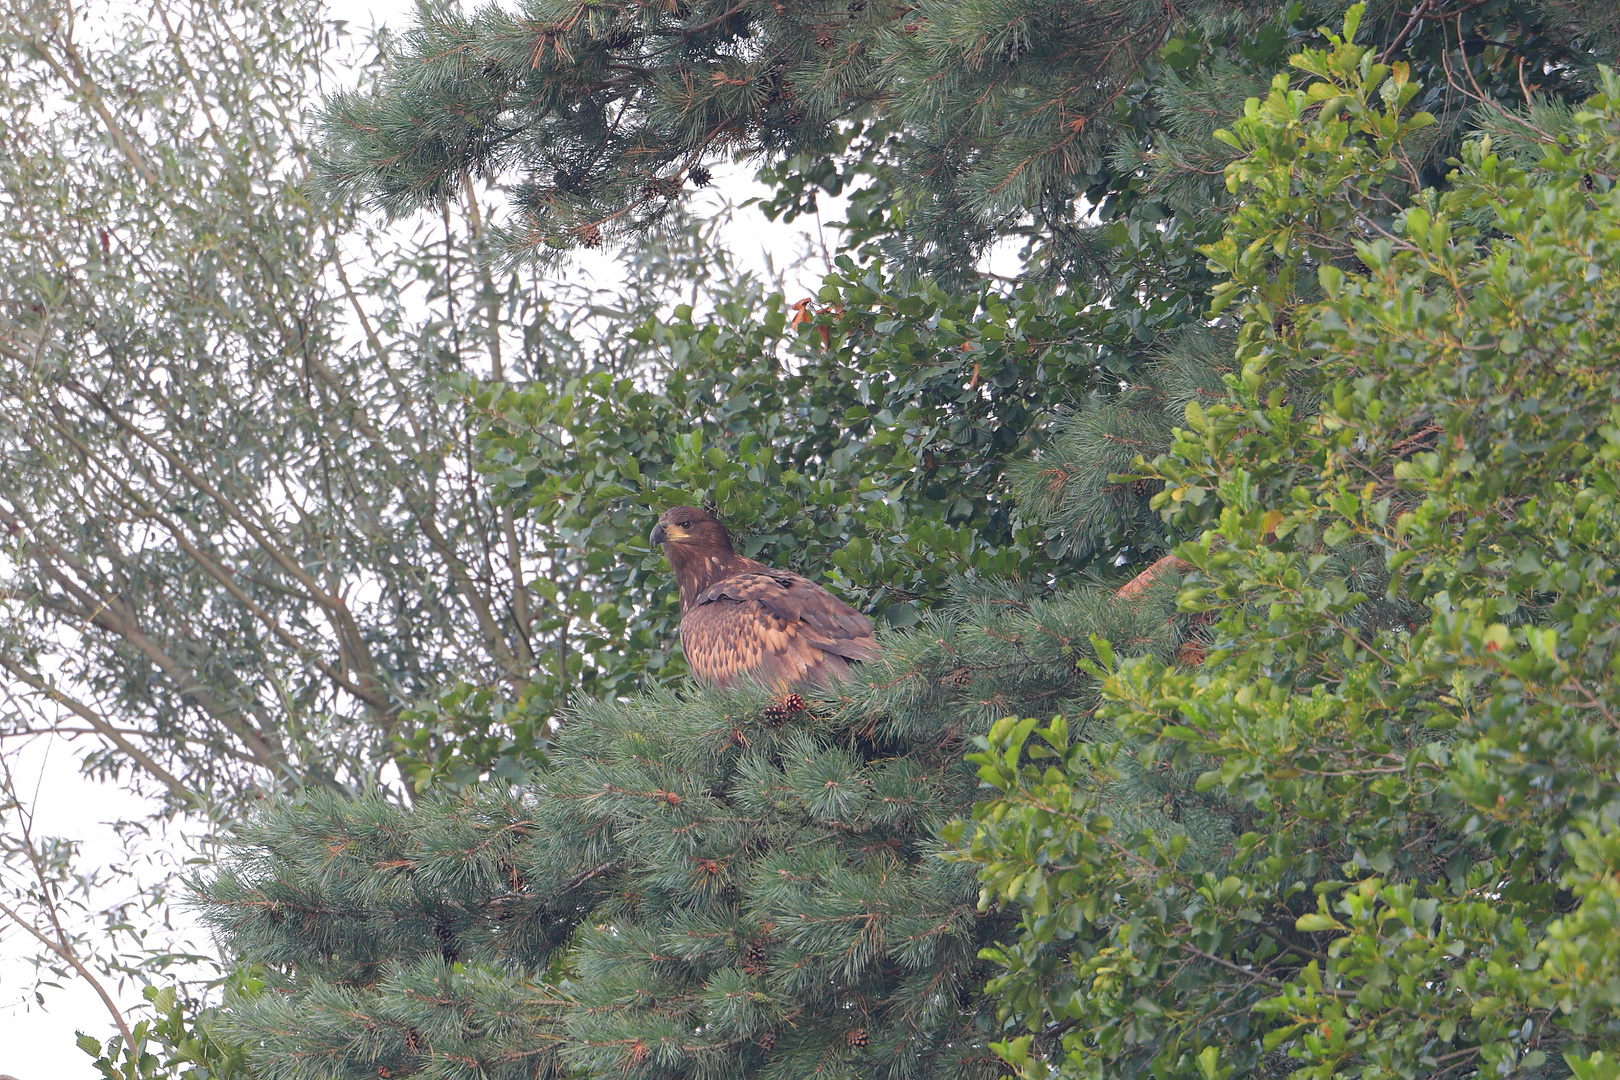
x=664 y=534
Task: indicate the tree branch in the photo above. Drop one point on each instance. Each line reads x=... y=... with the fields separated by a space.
x=102 y=728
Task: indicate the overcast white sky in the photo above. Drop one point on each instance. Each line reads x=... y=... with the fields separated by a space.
x=37 y=1043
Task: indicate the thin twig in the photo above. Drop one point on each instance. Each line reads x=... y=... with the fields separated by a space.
x=61 y=947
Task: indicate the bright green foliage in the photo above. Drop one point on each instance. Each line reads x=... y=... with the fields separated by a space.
x=1406 y=720
x=170 y=1046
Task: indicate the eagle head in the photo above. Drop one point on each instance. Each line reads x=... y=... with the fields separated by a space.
x=688 y=526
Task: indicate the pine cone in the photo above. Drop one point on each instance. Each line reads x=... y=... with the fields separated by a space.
x=590 y=236
x=784 y=707
x=959 y=679
x=699 y=176
x=755 y=957
x=824 y=38
x=447 y=942
x=665 y=187
x=858 y=1039
x=767 y=1041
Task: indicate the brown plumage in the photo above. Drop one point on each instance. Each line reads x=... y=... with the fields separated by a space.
x=740 y=618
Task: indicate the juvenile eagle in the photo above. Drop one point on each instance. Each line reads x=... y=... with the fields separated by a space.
x=741 y=618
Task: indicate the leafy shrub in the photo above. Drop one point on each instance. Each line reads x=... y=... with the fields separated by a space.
x=1406 y=517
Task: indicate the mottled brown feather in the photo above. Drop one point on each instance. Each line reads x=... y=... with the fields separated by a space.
x=741 y=619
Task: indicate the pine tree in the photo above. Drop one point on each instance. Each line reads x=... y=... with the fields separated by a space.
x=980 y=114
x=717 y=885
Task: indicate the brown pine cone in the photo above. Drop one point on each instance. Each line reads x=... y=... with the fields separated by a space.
x=662 y=187
x=784 y=707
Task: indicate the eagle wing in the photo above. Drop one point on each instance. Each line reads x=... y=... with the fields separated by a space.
x=780 y=628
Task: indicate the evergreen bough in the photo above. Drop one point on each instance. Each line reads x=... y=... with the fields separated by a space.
x=981 y=119
x=719 y=885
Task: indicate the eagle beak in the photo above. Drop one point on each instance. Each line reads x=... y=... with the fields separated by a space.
x=658 y=534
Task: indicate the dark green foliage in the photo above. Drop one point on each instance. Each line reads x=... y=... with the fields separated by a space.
x=714 y=885
x=972 y=121
x=861 y=439
x=603 y=110
x=1074 y=484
